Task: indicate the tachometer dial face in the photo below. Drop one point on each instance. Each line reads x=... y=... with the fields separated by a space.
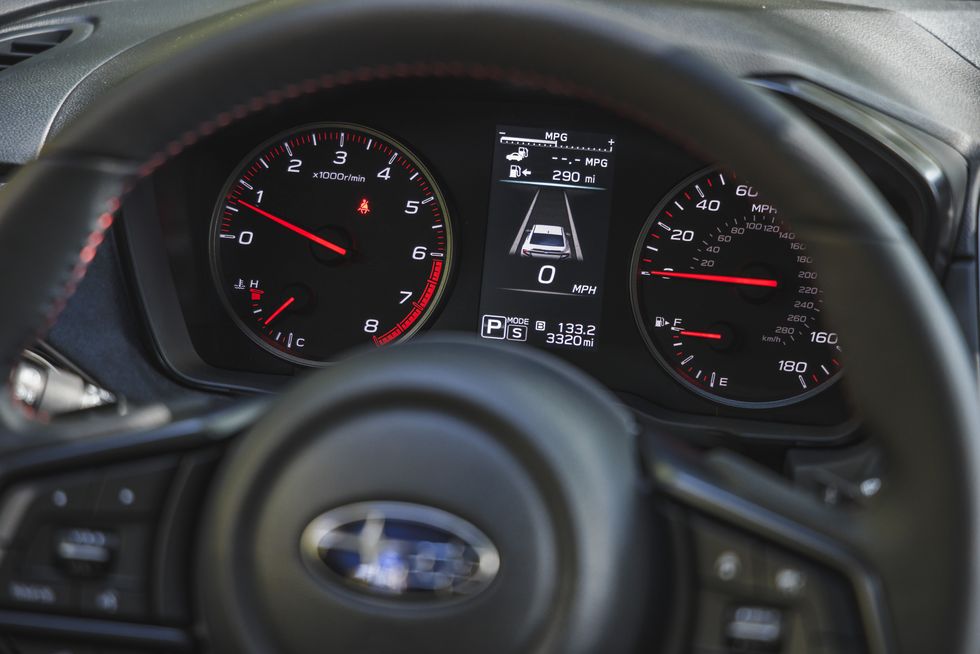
x=727 y=299
x=327 y=237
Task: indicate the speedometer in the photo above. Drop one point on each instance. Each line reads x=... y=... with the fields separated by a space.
x=727 y=299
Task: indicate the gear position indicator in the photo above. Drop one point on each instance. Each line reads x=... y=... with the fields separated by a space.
x=546 y=236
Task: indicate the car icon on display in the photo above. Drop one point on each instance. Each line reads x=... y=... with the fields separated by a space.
x=546 y=242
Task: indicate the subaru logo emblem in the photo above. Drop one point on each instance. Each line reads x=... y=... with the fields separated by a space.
x=397 y=549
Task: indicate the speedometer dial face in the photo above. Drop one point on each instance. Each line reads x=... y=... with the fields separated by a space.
x=727 y=299
x=327 y=237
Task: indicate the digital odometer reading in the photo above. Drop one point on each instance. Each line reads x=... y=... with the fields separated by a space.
x=727 y=298
x=328 y=237
x=546 y=237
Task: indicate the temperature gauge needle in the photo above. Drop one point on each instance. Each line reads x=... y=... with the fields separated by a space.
x=721 y=279
x=279 y=310
x=711 y=336
x=299 y=230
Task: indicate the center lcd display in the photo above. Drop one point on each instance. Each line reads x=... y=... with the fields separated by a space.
x=546 y=237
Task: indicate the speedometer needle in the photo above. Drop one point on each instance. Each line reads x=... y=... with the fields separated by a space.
x=299 y=230
x=279 y=310
x=722 y=279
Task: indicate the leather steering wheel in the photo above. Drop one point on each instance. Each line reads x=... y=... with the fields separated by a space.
x=580 y=525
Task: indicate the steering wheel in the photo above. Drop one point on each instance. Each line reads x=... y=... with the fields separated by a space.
x=557 y=521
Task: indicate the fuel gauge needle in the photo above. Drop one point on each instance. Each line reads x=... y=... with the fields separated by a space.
x=711 y=336
x=279 y=310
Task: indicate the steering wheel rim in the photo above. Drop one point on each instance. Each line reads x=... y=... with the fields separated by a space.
x=879 y=292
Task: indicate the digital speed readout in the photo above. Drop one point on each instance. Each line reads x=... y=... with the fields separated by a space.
x=546 y=237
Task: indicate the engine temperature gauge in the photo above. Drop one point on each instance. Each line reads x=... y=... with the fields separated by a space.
x=727 y=298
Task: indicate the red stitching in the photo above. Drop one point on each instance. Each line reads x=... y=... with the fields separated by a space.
x=436 y=70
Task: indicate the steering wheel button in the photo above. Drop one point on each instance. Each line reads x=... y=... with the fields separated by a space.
x=85 y=552
x=788 y=577
x=126 y=496
x=112 y=602
x=755 y=629
x=71 y=493
x=26 y=504
x=790 y=581
x=728 y=566
x=136 y=489
x=823 y=598
x=725 y=558
x=31 y=594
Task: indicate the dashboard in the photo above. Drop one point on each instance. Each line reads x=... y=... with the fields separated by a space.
x=407 y=209
x=168 y=310
x=362 y=217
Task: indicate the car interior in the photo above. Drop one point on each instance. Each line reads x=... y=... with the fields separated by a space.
x=489 y=326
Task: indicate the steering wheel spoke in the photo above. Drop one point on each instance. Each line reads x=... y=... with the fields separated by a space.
x=774 y=569
x=97 y=519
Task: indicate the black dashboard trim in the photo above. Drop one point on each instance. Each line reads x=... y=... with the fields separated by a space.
x=941 y=169
x=155 y=292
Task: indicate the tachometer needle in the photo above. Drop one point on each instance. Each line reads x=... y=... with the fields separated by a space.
x=712 y=336
x=279 y=310
x=299 y=230
x=722 y=279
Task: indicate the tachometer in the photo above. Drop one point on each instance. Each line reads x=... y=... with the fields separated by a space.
x=727 y=299
x=330 y=236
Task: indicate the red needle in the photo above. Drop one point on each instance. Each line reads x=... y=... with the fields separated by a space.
x=709 y=335
x=282 y=308
x=724 y=279
x=299 y=230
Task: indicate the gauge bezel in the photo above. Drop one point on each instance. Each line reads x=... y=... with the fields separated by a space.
x=648 y=340
x=214 y=251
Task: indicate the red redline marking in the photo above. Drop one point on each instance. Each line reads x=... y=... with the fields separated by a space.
x=299 y=230
x=709 y=335
x=722 y=279
x=279 y=310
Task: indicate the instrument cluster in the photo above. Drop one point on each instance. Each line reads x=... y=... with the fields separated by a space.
x=311 y=230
